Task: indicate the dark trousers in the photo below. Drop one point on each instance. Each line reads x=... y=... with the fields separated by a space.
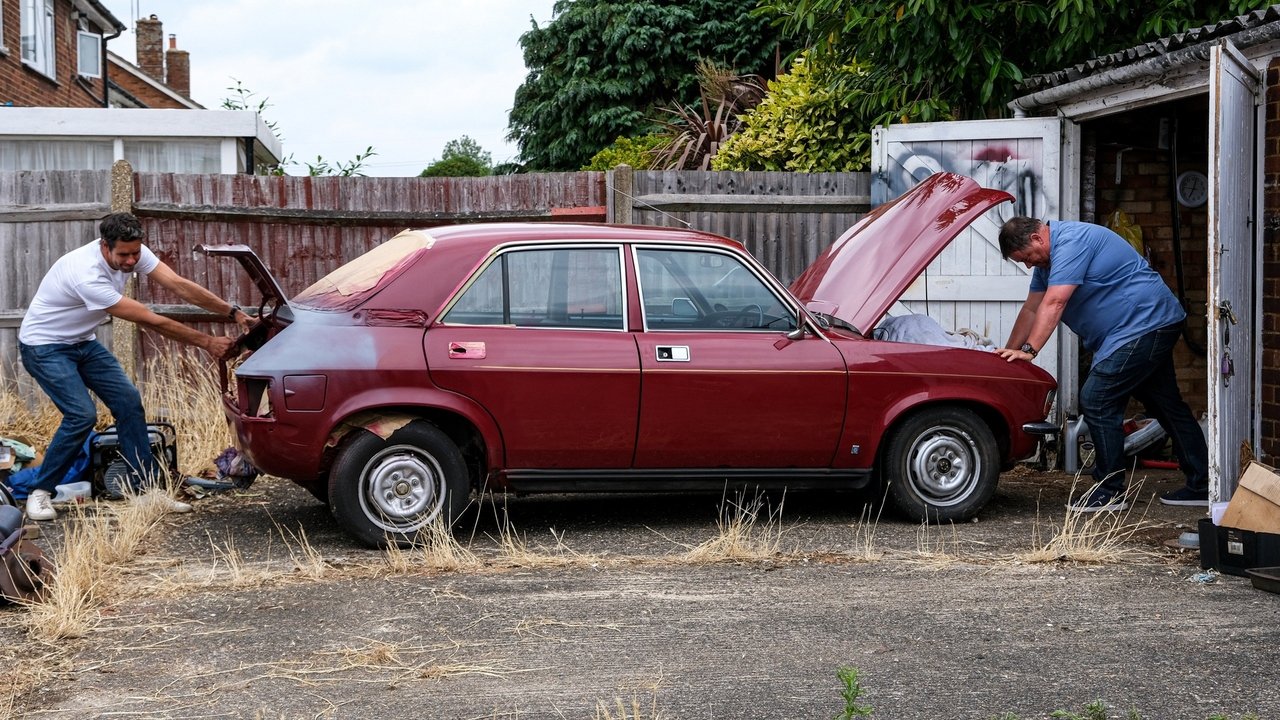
x=1141 y=369
x=67 y=373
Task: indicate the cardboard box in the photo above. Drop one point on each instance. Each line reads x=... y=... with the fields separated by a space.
x=1256 y=503
x=1234 y=551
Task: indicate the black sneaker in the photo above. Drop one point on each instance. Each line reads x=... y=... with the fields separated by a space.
x=1186 y=496
x=1098 y=499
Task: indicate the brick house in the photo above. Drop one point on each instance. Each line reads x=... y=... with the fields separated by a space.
x=68 y=103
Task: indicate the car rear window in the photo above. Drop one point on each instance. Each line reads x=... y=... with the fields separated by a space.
x=346 y=286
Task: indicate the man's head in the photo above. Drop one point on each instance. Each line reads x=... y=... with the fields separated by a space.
x=121 y=241
x=1025 y=240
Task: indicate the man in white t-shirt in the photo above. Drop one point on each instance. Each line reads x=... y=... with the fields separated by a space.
x=60 y=350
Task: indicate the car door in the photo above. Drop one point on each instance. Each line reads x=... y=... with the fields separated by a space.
x=539 y=340
x=723 y=385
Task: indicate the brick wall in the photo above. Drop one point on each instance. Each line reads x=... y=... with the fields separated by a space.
x=1270 y=440
x=1144 y=194
x=22 y=86
x=148 y=95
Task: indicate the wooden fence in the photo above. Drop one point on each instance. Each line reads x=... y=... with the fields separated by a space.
x=303 y=227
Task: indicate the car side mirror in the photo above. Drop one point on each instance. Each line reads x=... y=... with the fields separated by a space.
x=797 y=334
x=683 y=307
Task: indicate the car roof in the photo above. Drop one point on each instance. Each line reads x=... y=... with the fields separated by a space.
x=493 y=234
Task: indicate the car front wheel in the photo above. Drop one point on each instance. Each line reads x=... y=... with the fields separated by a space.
x=387 y=491
x=941 y=465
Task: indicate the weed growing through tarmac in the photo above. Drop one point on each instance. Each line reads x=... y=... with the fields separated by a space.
x=1094 y=538
x=307 y=560
x=633 y=709
x=182 y=389
x=851 y=692
x=748 y=530
x=434 y=548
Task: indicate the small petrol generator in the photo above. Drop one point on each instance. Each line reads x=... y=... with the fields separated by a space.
x=112 y=476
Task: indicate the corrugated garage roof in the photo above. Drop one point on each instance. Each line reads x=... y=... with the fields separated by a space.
x=1155 y=48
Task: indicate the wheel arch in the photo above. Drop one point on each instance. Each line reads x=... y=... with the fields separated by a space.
x=993 y=418
x=475 y=434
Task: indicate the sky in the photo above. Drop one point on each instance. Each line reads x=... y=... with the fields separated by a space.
x=405 y=76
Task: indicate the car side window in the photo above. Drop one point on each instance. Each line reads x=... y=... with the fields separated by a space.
x=554 y=287
x=701 y=290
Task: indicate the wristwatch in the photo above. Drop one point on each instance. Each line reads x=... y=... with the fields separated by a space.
x=1026 y=348
x=236 y=308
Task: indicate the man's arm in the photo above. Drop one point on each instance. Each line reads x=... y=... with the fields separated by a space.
x=195 y=294
x=135 y=312
x=1026 y=318
x=1036 y=321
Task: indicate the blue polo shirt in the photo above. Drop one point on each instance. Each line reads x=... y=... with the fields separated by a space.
x=1118 y=297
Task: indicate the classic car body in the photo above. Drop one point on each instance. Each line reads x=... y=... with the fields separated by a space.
x=551 y=357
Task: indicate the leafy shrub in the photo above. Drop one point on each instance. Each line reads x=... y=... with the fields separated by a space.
x=638 y=152
x=802 y=125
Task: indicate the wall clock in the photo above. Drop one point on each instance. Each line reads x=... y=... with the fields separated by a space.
x=1193 y=188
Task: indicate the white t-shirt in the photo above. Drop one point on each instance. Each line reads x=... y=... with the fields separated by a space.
x=74 y=295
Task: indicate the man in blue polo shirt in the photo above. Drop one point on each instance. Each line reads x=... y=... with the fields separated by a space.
x=1091 y=279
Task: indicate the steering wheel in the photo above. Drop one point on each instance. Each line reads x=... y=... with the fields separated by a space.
x=750 y=316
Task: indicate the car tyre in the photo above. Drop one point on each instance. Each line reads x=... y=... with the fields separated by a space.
x=387 y=491
x=941 y=465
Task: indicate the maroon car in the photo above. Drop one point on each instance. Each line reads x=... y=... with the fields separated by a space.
x=550 y=357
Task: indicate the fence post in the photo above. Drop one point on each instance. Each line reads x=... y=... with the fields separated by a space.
x=124 y=334
x=621 y=195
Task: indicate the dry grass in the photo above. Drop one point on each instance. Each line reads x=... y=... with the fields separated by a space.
x=514 y=549
x=1092 y=538
x=95 y=550
x=633 y=709
x=435 y=548
x=307 y=560
x=182 y=389
x=748 y=530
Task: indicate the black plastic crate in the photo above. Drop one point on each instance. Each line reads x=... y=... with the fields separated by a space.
x=1234 y=551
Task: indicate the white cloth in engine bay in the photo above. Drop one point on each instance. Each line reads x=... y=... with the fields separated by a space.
x=924 y=330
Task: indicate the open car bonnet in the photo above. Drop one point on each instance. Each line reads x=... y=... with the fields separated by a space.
x=868 y=268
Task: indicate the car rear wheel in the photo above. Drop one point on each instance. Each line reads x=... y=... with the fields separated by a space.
x=386 y=491
x=941 y=465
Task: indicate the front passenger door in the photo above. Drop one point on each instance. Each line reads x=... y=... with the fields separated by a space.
x=723 y=386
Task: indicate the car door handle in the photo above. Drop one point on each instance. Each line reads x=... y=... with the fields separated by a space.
x=673 y=353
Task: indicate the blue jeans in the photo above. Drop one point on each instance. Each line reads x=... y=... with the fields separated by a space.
x=67 y=373
x=1142 y=369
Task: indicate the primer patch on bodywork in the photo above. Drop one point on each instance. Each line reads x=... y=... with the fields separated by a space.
x=383 y=425
x=365 y=272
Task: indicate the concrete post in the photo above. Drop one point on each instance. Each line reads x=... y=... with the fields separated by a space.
x=124 y=334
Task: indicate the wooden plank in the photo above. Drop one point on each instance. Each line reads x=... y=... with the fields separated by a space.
x=755 y=203
x=53 y=212
x=320 y=216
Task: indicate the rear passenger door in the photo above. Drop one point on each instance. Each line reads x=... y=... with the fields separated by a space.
x=538 y=338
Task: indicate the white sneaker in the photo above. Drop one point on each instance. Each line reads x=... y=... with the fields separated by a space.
x=40 y=506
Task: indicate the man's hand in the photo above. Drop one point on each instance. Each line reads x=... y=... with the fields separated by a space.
x=218 y=347
x=1010 y=354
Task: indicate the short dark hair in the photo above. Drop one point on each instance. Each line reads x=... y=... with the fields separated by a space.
x=120 y=226
x=1016 y=234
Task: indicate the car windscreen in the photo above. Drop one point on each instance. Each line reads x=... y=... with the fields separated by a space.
x=349 y=284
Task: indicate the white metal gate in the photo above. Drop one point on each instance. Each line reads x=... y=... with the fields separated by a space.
x=1232 y=249
x=969 y=285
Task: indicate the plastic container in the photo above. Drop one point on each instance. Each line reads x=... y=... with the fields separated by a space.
x=76 y=492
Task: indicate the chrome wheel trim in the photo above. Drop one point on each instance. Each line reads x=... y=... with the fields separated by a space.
x=402 y=489
x=944 y=465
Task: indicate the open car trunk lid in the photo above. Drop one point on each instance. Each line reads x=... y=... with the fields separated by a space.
x=868 y=268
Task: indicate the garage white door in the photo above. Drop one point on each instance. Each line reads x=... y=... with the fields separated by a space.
x=969 y=286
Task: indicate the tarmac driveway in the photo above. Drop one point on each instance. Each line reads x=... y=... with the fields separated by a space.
x=594 y=602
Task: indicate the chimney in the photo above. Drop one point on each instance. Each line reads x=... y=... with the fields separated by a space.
x=178 y=62
x=150 y=44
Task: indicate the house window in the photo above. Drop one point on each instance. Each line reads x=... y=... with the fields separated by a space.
x=89 y=54
x=37 y=35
